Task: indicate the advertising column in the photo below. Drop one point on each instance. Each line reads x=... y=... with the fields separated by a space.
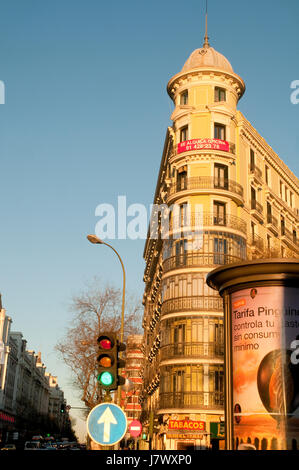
x=263 y=372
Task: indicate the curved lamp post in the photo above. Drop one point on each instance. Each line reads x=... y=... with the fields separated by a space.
x=97 y=241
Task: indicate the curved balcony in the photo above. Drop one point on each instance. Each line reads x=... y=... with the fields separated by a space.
x=192 y=303
x=189 y=400
x=198 y=260
x=195 y=350
x=207 y=184
x=207 y=219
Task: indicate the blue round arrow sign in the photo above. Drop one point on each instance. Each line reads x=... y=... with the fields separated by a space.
x=106 y=424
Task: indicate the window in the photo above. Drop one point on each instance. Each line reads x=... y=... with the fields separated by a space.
x=181 y=252
x=252 y=160
x=282 y=225
x=220 y=250
x=184 y=97
x=291 y=199
x=268 y=242
x=267 y=174
x=219 y=131
x=182 y=179
x=179 y=339
x=219 y=213
x=220 y=176
x=184 y=134
x=283 y=252
x=220 y=94
x=294 y=236
x=269 y=213
x=253 y=198
x=253 y=229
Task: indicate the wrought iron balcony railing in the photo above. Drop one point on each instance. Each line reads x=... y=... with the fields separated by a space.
x=195 y=350
x=207 y=219
x=272 y=220
x=255 y=205
x=206 y=400
x=257 y=242
x=256 y=171
x=206 y=183
x=192 y=303
x=195 y=259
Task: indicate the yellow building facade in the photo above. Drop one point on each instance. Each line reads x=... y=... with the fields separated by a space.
x=229 y=198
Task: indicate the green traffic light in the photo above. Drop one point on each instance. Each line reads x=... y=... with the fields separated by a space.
x=105 y=378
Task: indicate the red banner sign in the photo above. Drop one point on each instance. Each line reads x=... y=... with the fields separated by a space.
x=186 y=425
x=5 y=417
x=201 y=144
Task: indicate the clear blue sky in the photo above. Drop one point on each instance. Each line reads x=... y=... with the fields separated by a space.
x=84 y=121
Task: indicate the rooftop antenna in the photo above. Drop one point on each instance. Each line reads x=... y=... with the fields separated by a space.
x=206 y=43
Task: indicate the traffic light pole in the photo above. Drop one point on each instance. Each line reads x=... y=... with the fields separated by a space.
x=94 y=239
x=122 y=307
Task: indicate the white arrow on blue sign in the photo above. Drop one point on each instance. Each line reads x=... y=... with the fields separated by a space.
x=106 y=424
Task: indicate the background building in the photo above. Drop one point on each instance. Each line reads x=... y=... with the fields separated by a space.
x=30 y=399
x=132 y=372
x=219 y=176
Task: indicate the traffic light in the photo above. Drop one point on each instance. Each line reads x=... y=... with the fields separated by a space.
x=107 y=361
x=62 y=408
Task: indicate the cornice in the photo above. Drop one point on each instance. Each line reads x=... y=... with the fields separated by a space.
x=258 y=142
x=233 y=80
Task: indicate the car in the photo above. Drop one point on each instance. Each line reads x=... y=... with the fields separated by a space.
x=32 y=445
x=9 y=447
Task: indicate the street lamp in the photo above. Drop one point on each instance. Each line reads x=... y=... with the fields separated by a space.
x=97 y=241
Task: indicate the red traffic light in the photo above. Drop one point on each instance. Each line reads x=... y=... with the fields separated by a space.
x=105 y=342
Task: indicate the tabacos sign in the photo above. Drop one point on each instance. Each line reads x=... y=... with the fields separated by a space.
x=185 y=425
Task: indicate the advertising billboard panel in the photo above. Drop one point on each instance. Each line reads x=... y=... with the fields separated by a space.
x=265 y=365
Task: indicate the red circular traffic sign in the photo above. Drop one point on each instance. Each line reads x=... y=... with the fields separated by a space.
x=135 y=428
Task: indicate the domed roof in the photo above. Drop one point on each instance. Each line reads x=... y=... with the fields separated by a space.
x=207 y=57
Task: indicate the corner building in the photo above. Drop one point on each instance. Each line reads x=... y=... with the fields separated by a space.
x=213 y=159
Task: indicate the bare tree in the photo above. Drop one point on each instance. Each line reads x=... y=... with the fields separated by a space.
x=95 y=309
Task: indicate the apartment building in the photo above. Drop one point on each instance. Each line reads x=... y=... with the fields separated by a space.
x=228 y=197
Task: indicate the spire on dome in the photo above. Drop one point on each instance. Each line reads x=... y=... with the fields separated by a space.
x=206 y=39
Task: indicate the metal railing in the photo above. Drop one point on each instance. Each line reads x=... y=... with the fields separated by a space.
x=206 y=182
x=195 y=259
x=194 y=350
x=192 y=303
x=289 y=235
x=207 y=219
x=207 y=400
x=272 y=220
x=256 y=171
x=254 y=205
x=256 y=241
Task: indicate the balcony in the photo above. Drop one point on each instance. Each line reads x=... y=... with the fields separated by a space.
x=272 y=224
x=207 y=184
x=290 y=238
x=201 y=350
x=198 y=260
x=207 y=219
x=189 y=400
x=256 y=242
x=192 y=303
x=256 y=173
x=256 y=209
